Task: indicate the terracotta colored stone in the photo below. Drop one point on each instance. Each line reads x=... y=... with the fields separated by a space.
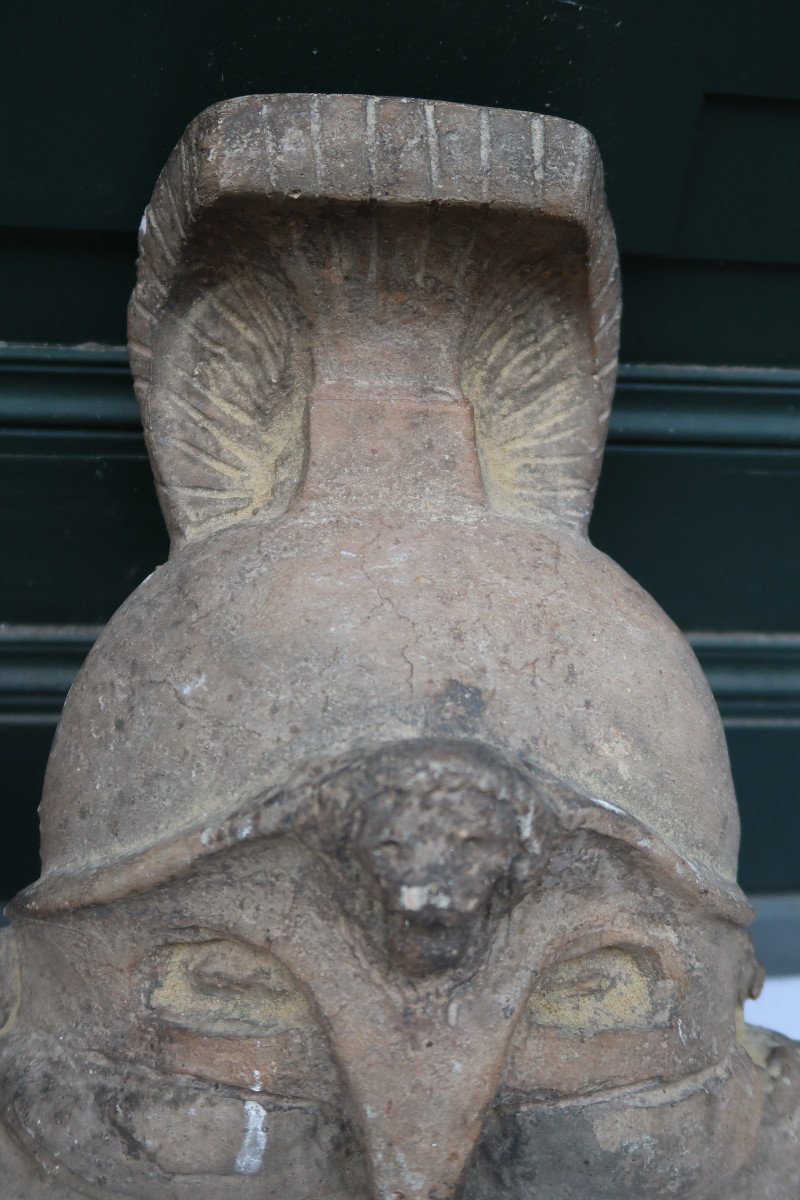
x=389 y=841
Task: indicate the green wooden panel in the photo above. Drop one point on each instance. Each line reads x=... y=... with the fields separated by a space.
x=766 y=767
x=79 y=526
x=24 y=746
x=755 y=679
x=776 y=933
x=102 y=92
x=65 y=286
x=710 y=532
x=695 y=105
x=745 y=149
x=676 y=311
x=72 y=288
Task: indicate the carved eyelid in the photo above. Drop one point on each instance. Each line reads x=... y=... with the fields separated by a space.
x=224 y=988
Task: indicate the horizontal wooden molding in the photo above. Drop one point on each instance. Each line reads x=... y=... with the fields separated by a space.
x=702 y=406
x=49 y=388
x=754 y=677
x=84 y=388
x=37 y=666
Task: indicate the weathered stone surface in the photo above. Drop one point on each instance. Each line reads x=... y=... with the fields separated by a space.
x=389 y=842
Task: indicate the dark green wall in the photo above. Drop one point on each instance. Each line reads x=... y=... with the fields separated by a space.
x=696 y=106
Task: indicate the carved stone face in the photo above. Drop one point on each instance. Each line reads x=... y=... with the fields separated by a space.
x=530 y=968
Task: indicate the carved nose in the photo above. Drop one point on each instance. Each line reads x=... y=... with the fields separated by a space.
x=436 y=882
x=421 y=1086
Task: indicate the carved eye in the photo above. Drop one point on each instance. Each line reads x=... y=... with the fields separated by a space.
x=224 y=988
x=611 y=988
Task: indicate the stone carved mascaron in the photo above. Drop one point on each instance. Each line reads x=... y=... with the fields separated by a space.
x=388 y=836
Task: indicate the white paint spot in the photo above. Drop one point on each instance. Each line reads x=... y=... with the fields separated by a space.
x=458 y=1067
x=348 y=554
x=254 y=1143
x=412 y=1179
x=192 y=685
x=257 y=1084
x=143 y=223
x=682 y=1033
x=244 y=830
x=207 y=836
x=525 y=824
x=414 y=898
x=607 y=804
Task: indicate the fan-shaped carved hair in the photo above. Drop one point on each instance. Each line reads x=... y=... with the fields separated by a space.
x=527 y=370
x=226 y=410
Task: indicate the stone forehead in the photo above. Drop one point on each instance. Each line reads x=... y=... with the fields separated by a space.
x=174 y=719
x=324 y=806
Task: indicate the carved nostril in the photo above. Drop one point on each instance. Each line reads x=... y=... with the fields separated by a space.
x=426 y=947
